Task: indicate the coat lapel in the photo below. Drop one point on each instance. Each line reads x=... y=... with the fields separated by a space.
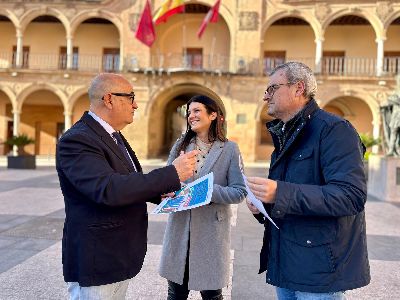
x=132 y=154
x=215 y=152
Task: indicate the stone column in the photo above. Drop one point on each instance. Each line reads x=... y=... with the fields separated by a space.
x=121 y=56
x=67 y=120
x=375 y=133
x=318 y=55
x=70 y=52
x=380 y=55
x=19 y=52
x=16 y=121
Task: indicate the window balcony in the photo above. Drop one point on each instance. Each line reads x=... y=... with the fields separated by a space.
x=190 y=62
x=51 y=62
x=195 y=62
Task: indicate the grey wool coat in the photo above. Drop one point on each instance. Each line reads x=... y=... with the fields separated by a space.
x=206 y=228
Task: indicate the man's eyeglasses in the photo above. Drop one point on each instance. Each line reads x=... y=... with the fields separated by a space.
x=130 y=95
x=273 y=87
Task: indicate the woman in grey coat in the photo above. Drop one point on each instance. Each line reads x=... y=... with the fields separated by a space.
x=196 y=248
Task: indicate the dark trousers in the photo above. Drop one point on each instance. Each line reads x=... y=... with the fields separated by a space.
x=181 y=292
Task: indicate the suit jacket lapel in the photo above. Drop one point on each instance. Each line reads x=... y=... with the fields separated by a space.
x=213 y=155
x=106 y=138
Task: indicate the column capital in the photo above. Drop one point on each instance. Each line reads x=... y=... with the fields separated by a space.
x=16 y=112
x=319 y=39
x=380 y=39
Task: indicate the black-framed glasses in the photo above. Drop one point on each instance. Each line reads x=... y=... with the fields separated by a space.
x=130 y=95
x=274 y=87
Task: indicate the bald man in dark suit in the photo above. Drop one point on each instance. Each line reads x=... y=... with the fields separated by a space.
x=105 y=194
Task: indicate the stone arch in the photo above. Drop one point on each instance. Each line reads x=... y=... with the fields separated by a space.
x=224 y=12
x=74 y=97
x=41 y=86
x=159 y=130
x=181 y=85
x=30 y=15
x=10 y=94
x=359 y=94
x=390 y=19
x=11 y=16
x=89 y=14
x=306 y=16
x=371 y=18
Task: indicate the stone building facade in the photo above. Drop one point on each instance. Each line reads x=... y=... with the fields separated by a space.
x=50 y=51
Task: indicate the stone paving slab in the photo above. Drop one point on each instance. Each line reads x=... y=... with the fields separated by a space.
x=30 y=250
x=31 y=201
x=27 y=281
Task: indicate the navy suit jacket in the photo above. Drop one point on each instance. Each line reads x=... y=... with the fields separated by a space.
x=105 y=229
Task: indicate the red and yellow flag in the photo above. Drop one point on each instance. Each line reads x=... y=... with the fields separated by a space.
x=168 y=8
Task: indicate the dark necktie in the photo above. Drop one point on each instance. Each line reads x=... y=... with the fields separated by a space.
x=121 y=146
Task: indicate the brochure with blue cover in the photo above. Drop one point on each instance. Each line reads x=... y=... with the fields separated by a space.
x=194 y=194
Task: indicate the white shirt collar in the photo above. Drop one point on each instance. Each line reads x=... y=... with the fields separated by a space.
x=103 y=123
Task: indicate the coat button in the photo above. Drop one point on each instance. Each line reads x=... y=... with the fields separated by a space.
x=278 y=212
x=308 y=242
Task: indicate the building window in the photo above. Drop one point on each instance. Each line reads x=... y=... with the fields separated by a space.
x=111 y=59
x=193 y=58
x=62 y=60
x=25 y=57
x=391 y=62
x=273 y=59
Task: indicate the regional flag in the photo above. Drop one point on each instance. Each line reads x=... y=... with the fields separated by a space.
x=168 y=8
x=145 y=30
x=211 y=16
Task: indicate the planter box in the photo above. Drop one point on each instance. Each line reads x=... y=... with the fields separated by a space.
x=21 y=162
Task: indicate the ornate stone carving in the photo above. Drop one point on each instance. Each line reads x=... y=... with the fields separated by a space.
x=19 y=9
x=321 y=11
x=248 y=20
x=133 y=20
x=71 y=89
x=391 y=122
x=383 y=9
x=70 y=12
x=19 y=87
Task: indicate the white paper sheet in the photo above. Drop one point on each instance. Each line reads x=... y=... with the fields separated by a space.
x=257 y=203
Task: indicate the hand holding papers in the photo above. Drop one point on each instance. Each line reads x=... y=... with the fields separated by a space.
x=257 y=203
x=195 y=194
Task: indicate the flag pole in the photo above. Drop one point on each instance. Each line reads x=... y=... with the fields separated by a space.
x=184 y=39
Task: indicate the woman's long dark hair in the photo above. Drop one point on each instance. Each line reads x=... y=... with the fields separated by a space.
x=216 y=131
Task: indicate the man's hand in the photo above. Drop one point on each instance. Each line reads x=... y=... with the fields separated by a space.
x=163 y=196
x=254 y=210
x=185 y=164
x=264 y=189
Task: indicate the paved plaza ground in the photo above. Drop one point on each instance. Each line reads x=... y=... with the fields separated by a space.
x=31 y=220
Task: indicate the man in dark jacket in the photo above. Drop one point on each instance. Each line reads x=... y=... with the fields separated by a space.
x=105 y=194
x=315 y=193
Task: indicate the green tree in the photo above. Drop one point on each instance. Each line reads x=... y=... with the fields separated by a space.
x=20 y=141
x=368 y=141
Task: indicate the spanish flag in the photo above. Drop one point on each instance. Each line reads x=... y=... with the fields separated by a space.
x=168 y=8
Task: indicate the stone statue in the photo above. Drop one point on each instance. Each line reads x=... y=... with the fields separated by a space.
x=391 y=122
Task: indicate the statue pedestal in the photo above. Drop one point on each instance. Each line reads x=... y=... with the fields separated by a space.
x=384 y=177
